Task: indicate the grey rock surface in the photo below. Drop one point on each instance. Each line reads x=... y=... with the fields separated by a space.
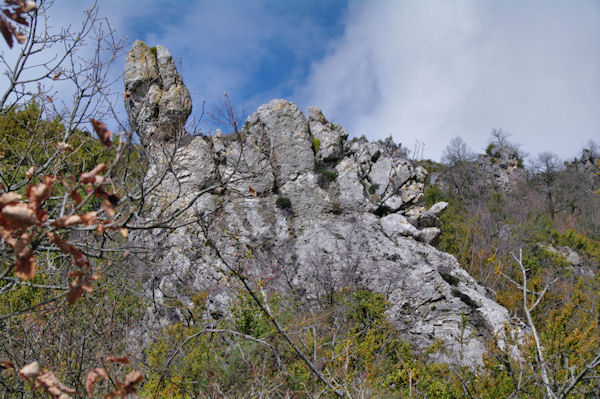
x=502 y=166
x=156 y=100
x=303 y=222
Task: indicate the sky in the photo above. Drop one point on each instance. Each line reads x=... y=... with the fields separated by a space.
x=420 y=71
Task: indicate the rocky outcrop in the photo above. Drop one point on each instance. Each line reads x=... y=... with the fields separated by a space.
x=156 y=100
x=291 y=203
x=502 y=166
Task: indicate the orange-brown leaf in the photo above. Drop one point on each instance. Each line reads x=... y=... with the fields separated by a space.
x=52 y=385
x=90 y=177
x=128 y=385
x=25 y=264
x=30 y=371
x=102 y=132
x=108 y=208
x=74 y=294
x=61 y=243
x=118 y=359
x=92 y=377
x=252 y=191
x=131 y=380
x=20 y=215
x=6 y=364
x=40 y=192
x=66 y=221
x=75 y=196
x=9 y=198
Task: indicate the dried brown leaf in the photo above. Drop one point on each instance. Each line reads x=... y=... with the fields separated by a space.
x=75 y=196
x=108 y=208
x=20 y=215
x=64 y=147
x=40 y=192
x=30 y=371
x=102 y=132
x=6 y=364
x=90 y=177
x=9 y=198
x=25 y=264
x=118 y=359
x=92 y=377
x=66 y=221
x=52 y=385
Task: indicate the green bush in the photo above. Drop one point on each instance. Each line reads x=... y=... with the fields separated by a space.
x=434 y=194
x=283 y=203
x=316 y=144
x=328 y=174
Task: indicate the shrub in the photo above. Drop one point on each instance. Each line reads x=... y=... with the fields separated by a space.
x=450 y=279
x=316 y=144
x=283 y=203
x=434 y=194
x=336 y=208
x=328 y=174
x=465 y=298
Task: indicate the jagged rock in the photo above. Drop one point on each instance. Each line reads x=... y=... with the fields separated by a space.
x=329 y=137
x=156 y=100
x=398 y=224
x=310 y=224
x=502 y=166
x=431 y=218
x=573 y=259
x=282 y=126
x=429 y=235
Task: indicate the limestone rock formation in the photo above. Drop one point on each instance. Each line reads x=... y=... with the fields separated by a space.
x=157 y=102
x=308 y=219
x=502 y=166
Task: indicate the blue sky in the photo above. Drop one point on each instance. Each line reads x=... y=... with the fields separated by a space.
x=421 y=71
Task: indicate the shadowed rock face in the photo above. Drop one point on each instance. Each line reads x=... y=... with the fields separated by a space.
x=308 y=220
x=156 y=100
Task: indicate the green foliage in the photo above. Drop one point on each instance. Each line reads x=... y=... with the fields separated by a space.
x=283 y=202
x=29 y=140
x=373 y=188
x=465 y=298
x=153 y=51
x=316 y=144
x=580 y=242
x=433 y=194
x=450 y=279
x=489 y=149
x=327 y=173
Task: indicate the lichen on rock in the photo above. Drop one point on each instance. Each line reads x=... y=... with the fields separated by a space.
x=156 y=100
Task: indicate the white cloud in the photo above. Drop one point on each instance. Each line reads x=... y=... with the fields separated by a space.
x=432 y=70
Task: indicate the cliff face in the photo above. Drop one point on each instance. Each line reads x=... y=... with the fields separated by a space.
x=294 y=205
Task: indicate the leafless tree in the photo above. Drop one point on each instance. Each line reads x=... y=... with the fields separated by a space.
x=546 y=167
x=457 y=151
